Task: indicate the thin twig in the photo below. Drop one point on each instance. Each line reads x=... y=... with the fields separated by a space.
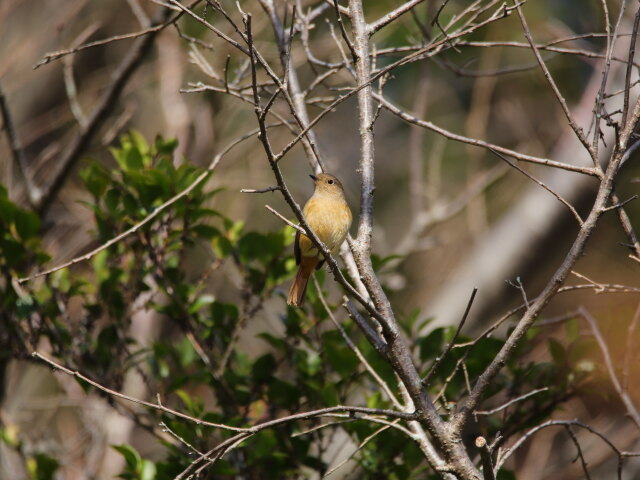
x=511 y=402
x=480 y=143
x=563 y=104
x=441 y=357
x=354 y=348
x=542 y=184
x=69 y=80
x=262 y=190
x=574 y=439
x=391 y=16
x=561 y=423
x=117 y=394
x=627 y=81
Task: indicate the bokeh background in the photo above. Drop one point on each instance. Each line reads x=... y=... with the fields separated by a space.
x=489 y=224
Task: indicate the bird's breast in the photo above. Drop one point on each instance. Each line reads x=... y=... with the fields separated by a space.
x=330 y=219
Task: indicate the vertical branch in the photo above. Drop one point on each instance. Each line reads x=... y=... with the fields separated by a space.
x=399 y=354
x=362 y=243
x=485 y=454
x=627 y=78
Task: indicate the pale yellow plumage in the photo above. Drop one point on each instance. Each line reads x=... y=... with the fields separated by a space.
x=328 y=215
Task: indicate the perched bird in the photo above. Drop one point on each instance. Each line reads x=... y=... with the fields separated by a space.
x=328 y=215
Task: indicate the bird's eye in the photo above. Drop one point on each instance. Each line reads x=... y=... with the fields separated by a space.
x=330 y=182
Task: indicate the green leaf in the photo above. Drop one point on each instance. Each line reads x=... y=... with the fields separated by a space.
x=25 y=306
x=558 y=352
x=201 y=301
x=207 y=232
x=27 y=224
x=283 y=394
x=112 y=199
x=194 y=405
x=431 y=345
x=274 y=341
x=573 y=330
x=133 y=160
x=138 y=141
x=341 y=358
x=95 y=179
x=147 y=470
x=379 y=262
x=165 y=147
x=313 y=363
x=131 y=456
x=264 y=444
x=233 y=230
x=42 y=467
x=505 y=475
x=263 y=368
x=222 y=246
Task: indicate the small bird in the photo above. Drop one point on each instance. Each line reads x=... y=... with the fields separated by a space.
x=328 y=215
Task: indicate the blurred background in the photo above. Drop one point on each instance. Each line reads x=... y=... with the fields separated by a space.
x=484 y=224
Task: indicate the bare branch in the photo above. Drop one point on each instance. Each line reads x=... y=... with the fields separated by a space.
x=487 y=463
x=480 y=143
x=627 y=81
x=578 y=130
x=511 y=402
x=262 y=190
x=49 y=57
x=441 y=357
x=69 y=81
x=579 y=449
x=563 y=423
x=542 y=184
x=466 y=407
x=391 y=16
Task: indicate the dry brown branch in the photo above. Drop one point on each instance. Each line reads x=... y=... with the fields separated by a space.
x=69 y=81
x=441 y=357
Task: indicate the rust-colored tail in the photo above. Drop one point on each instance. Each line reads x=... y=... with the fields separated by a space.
x=299 y=286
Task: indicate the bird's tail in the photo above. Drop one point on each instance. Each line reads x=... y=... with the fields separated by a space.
x=299 y=286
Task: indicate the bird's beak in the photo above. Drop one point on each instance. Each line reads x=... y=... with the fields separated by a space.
x=314 y=178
